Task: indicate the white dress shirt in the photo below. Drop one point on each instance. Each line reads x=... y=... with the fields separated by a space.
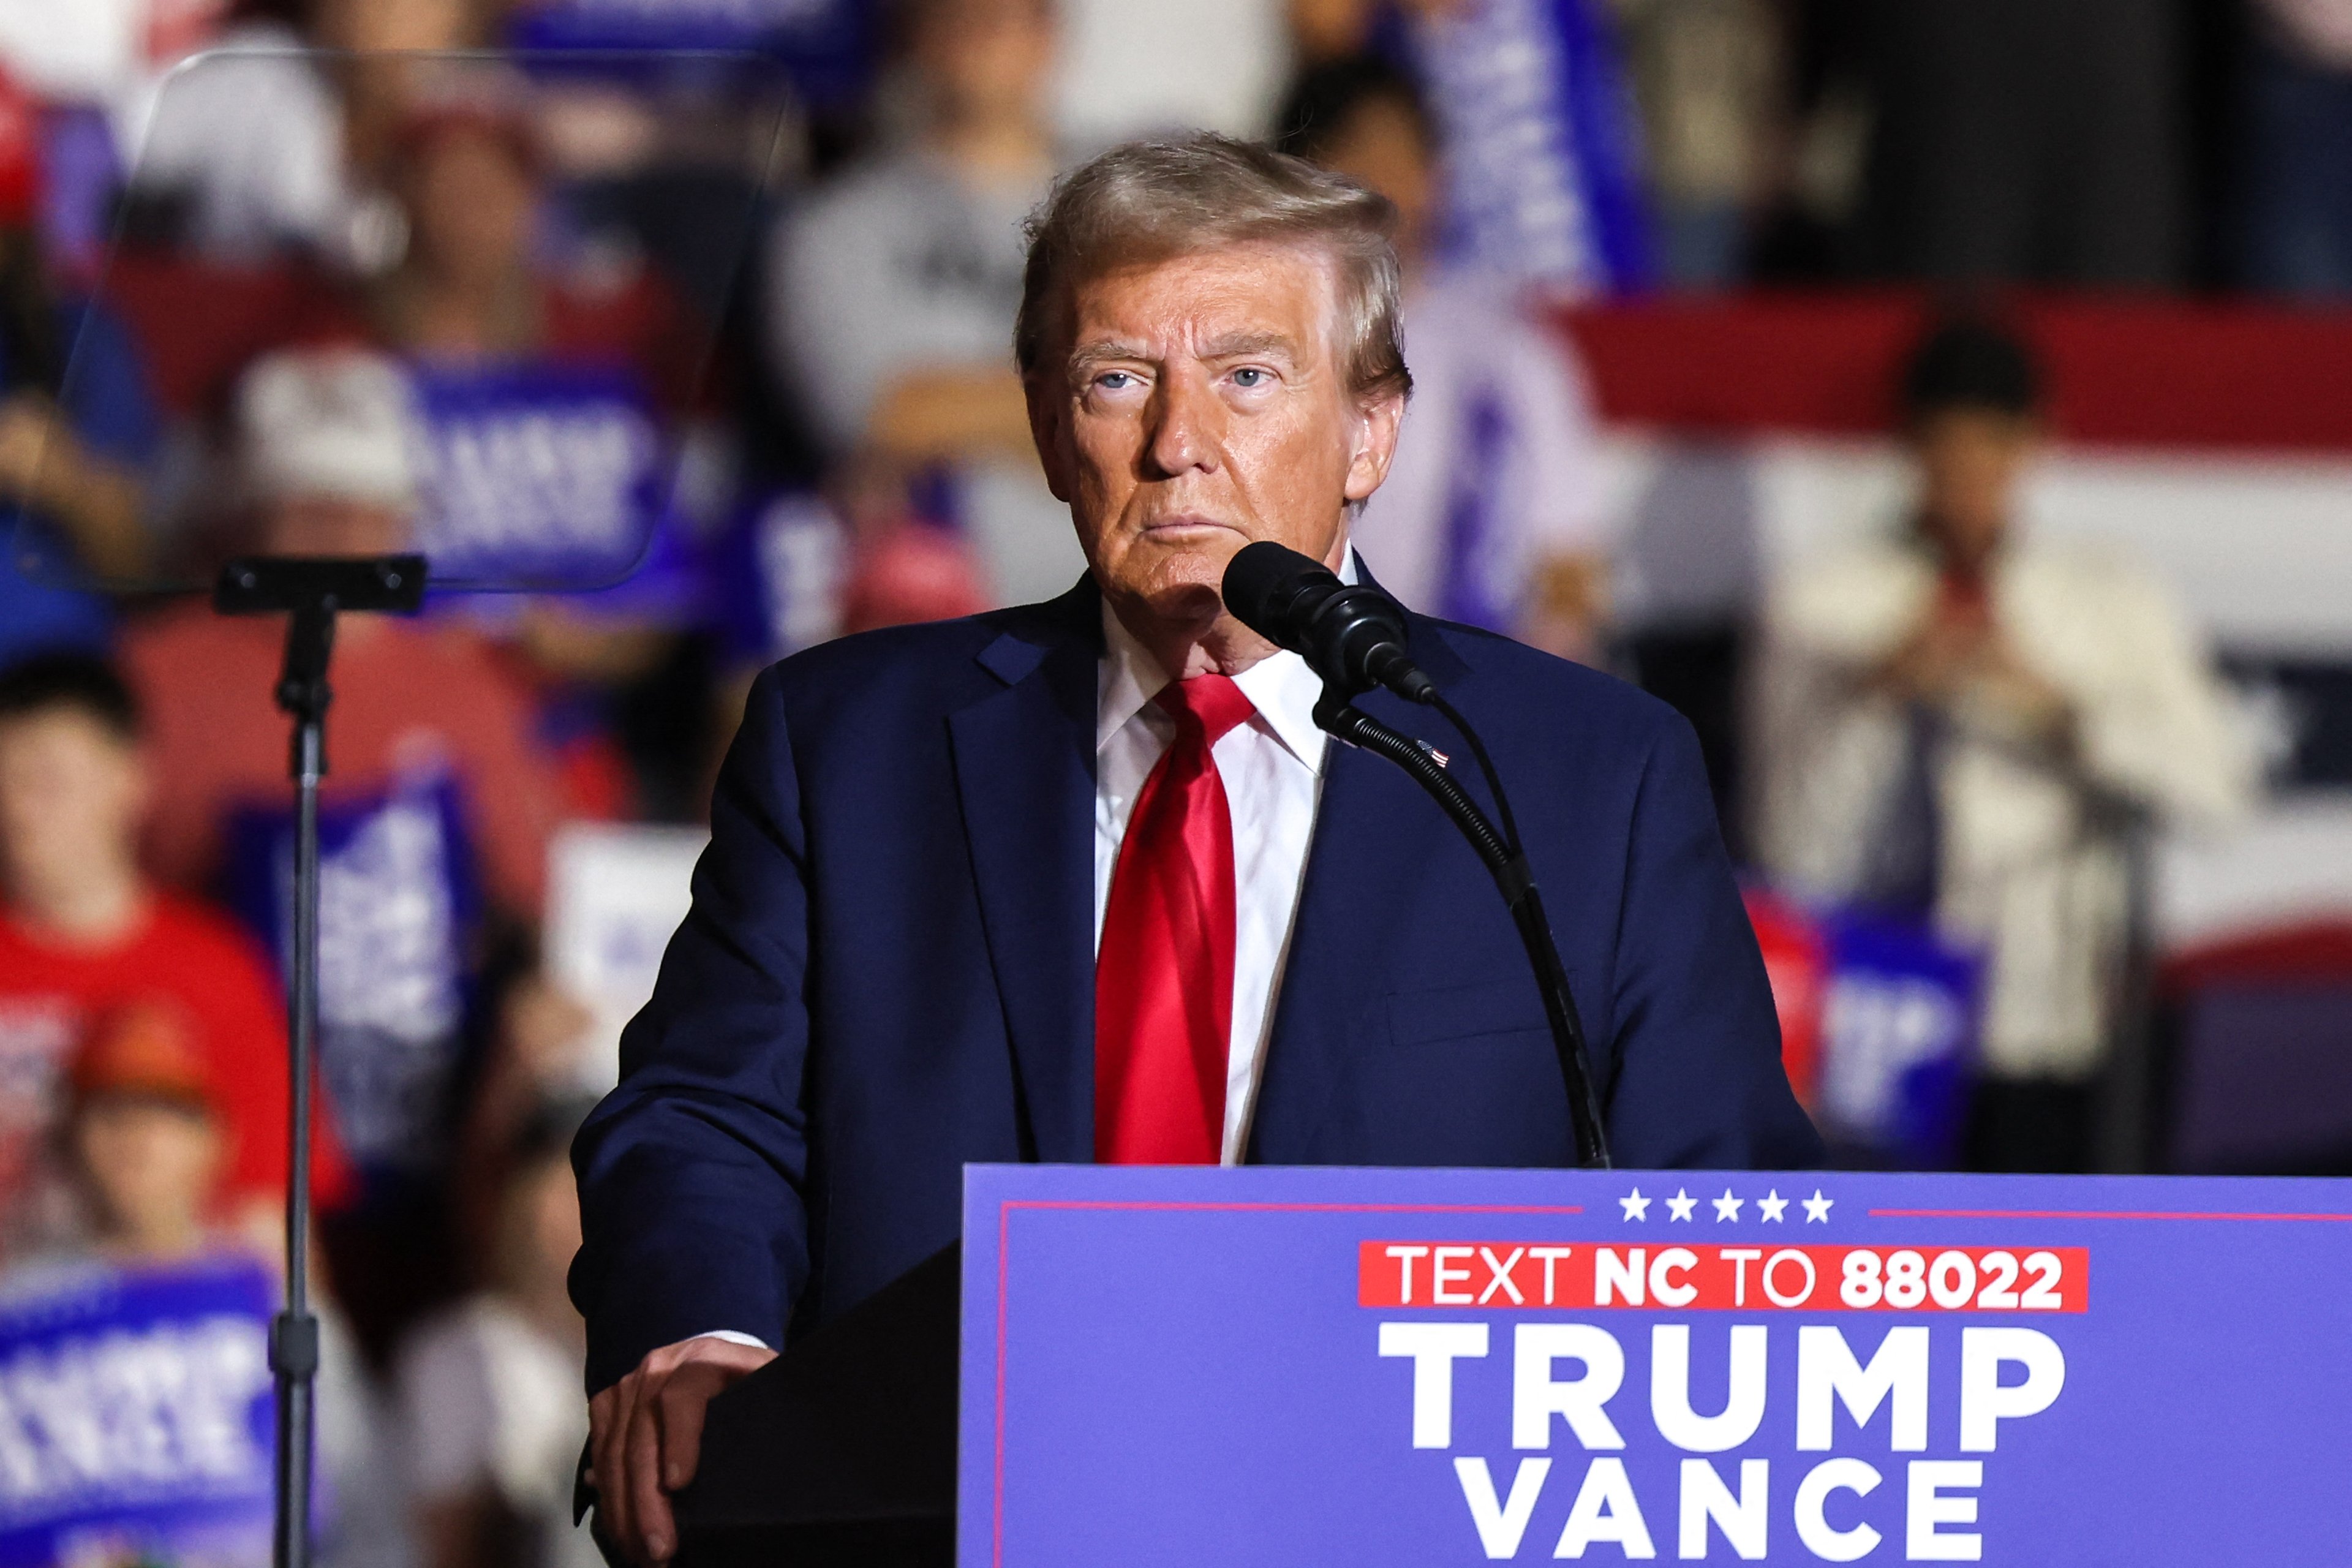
x=1271 y=767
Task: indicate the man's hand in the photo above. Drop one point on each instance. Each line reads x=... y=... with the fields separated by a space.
x=951 y=412
x=30 y=432
x=1969 y=659
x=645 y=1438
x=1934 y=661
x=2026 y=698
x=1567 y=605
x=44 y=465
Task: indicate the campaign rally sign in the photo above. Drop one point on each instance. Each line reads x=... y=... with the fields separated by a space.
x=135 y=1418
x=1879 y=1025
x=781 y=575
x=1900 y=1018
x=617 y=892
x=536 y=475
x=1284 y=1366
x=1542 y=153
x=823 y=45
x=399 y=906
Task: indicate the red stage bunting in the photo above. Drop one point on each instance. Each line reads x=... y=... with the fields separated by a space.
x=2123 y=371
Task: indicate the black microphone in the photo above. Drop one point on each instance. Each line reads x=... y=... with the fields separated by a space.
x=1350 y=634
x=1353 y=637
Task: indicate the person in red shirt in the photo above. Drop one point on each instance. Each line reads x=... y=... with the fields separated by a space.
x=84 y=935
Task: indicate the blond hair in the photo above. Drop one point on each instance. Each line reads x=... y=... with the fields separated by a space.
x=1145 y=202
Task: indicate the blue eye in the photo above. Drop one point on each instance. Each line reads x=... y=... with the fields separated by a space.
x=1249 y=375
x=1113 y=380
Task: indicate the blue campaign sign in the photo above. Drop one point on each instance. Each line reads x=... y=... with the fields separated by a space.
x=537 y=474
x=824 y=46
x=1264 y=1366
x=1542 y=153
x=399 y=909
x=1899 y=1025
x=135 y=1418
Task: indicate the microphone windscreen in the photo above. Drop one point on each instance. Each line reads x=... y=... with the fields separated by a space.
x=1259 y=579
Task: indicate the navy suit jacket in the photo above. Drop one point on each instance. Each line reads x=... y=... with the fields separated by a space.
x=889 y=969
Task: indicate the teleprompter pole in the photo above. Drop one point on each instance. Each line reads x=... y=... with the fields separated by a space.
x=310 y=594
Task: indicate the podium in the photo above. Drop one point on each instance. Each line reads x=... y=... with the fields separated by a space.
x=841 y=1452
x=1166 y=1368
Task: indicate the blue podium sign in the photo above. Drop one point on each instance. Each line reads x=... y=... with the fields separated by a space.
x=1262 y=1366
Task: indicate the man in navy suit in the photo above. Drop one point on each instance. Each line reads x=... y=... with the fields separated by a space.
x=1081 y=880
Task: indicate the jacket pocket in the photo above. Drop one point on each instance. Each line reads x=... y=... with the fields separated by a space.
x=1466 y=1012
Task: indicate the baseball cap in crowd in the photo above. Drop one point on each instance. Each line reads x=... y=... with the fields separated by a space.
x=149 y=1050
x=330 y=422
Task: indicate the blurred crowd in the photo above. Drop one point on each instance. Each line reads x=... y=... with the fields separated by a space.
x=707 y=360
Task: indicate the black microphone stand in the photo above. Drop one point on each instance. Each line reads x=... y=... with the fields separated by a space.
x=310 y=594
x=1335 y=715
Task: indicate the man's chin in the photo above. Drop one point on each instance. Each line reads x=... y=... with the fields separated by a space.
x=1186 y=600
x=1181 y=592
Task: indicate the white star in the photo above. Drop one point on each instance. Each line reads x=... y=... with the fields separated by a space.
x=1726 y=1207
x=1679 y=1206
x=1771 y=1205
x=1817 y=1207
x=1635 y=1205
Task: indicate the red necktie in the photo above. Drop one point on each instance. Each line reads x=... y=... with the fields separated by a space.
x=1165 y=973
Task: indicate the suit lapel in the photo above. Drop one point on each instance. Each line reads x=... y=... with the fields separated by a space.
x=1023 y=761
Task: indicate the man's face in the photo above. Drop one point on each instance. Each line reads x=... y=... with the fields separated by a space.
x=1970 y=462
x=1382 y=146
x=1202 y=406
x=373 y=24
x=471 y=205
x=71 y=794
x=150 y=1164
x=986 y=59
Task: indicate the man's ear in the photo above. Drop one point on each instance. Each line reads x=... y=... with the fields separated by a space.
x=1049 y=430
x=1378 y=421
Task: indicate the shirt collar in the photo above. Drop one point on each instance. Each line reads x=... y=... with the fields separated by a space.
x=1280 y=686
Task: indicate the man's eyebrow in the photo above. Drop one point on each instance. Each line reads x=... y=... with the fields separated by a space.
x=1240 y=345
x=1234 y=345
x=1103 y=348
